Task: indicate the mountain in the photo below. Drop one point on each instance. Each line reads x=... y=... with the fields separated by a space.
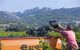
x=37 y=16
x=7 y=17
x=41 y=16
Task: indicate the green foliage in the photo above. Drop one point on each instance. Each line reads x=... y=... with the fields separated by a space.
x=55 y=34
x=16 y=34
x=44 y=45
x=12 y=34
x=77 y=28
x=78 y=36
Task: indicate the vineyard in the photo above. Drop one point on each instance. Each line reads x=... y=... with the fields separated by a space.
x=23 y=34
x=13 y=34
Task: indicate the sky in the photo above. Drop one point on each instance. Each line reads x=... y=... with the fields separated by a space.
x=21 y=5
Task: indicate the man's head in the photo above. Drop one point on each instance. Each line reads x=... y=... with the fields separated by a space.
x=69 y=27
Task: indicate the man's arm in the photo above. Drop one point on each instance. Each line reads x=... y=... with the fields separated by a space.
x=56 y=30
x=59 y=31
x=61 y=28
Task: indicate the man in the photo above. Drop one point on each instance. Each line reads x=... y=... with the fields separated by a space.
x=69 y=34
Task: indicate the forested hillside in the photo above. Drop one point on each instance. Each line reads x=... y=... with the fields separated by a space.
x=41 y=16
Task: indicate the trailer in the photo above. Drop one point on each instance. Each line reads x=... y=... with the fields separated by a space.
x=24 y=43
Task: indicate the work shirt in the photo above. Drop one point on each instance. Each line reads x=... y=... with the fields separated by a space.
x=70 y=37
